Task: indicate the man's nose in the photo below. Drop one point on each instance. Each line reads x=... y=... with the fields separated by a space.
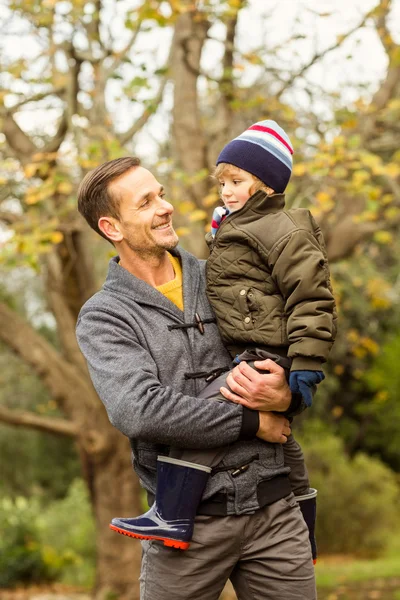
x=164 y=207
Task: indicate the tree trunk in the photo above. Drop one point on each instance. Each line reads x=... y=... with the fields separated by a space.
x=116 y=493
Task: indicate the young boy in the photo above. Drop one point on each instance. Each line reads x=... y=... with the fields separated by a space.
x=268 y=282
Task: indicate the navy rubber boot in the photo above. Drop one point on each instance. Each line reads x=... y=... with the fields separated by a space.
x=180 y=486
x=308 y=507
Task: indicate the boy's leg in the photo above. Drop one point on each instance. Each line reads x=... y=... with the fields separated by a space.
x=171 y=517
x=212 y=456
x=305 y=496
x=298 y=476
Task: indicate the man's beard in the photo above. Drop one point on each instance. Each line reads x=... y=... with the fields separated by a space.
x=152 y=251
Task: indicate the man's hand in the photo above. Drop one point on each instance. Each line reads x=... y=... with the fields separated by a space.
x=258 y=391
x=273 y=428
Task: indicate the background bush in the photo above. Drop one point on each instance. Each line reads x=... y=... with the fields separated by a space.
x=40 y=543
x=357 y=497
x=22 y=558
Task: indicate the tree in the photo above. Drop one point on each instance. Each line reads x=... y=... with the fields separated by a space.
x=83 y=72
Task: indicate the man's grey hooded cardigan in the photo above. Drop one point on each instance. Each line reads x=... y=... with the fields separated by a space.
x=138 y=363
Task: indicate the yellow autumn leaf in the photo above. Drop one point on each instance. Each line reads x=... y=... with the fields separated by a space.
x=182 y=231
x=299 y=169
x=337 y=412
x=392 y=170
x=323 y=197
x=211 y=199
x=370 y=345
x=383 y=237
x=360 y=177
x=186 y=207
x=32 y=197
x=57 y=237
x=197 y=215
x=350 y=123
x=30 y=170
x=353 y=335
x=65 y=187
x=381 y=396
x=45 y=156
x=359 y=352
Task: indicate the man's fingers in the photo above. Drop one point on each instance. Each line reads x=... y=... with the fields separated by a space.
x=283 y=439
x=233 y=397
x=244 y=371
x=268 y=365
x=238 y=384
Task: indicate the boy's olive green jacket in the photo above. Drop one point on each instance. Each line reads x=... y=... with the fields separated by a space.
x=268 y=281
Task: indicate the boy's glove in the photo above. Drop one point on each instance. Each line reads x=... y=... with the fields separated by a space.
x=302 y=382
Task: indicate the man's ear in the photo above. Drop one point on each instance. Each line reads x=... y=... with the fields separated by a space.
x=111 y=228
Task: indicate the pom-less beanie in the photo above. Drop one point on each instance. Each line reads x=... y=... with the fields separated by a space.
x=264 y=150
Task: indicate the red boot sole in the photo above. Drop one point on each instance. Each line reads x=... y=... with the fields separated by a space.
x=167 y=542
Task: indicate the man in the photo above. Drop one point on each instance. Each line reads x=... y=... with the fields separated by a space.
x=146 y=335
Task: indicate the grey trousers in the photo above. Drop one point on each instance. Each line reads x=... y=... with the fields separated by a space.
x=293 y=455
x=266 y=555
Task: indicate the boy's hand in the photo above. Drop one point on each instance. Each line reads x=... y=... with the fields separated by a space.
x=273 y=428
x=258 y=391
x=303 y=382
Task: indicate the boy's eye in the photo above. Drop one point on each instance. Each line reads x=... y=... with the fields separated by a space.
x=235 y=181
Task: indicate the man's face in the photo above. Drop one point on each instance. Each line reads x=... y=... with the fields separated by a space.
x=235 y=187
x=145 y=222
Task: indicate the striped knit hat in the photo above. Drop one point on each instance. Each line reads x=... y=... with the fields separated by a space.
x=264 y=150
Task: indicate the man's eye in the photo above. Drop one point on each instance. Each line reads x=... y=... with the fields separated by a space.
x=145 y=203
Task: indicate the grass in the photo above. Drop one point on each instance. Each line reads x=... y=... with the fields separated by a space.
x=332 y=572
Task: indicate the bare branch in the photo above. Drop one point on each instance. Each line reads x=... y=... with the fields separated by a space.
x=9 y=217
x=54 y=144
x=146 y=114
x=123 y=53
x=64 y=380
x=54 y=425
x=36 y=98
x=318 y=55
x=17 y=139
x=381 y=13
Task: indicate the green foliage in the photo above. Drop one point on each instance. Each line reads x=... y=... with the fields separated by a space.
x=22 y=559
x=383 y=413
x=31 y=462
x=357 y=498
x=41 y=544
x=67 y=527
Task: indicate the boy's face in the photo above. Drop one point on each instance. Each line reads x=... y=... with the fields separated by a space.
x=235 y=187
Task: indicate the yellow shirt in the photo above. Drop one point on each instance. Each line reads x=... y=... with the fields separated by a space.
x=173 y=290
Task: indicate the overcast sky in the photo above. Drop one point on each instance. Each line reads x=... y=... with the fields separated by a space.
x=264 y=21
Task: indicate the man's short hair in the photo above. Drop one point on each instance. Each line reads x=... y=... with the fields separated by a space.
x=94 y=197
